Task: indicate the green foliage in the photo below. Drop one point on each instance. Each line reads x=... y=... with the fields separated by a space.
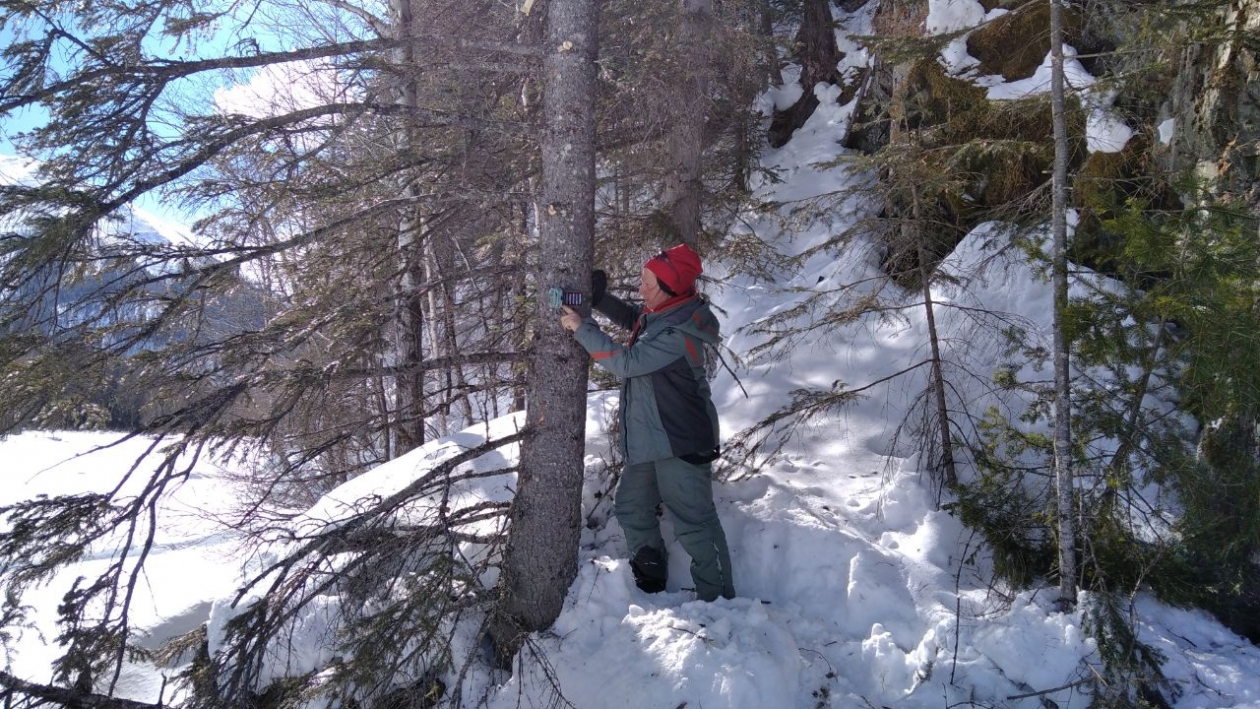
x=899 y=40
x=752 y=256
x=1171 y=333
x=285 y=693
x=1011 y=502
x=1210 y=293
x=1177 y=330
x=649 y=73
x=931 y=98
x=192 y=651
x=1016 y=43
x=1222 y=495
x=1010 y=511
x=1131 y=675
x=1102 y=190
x=269 y=332
x=42 y=535
x=957 y=159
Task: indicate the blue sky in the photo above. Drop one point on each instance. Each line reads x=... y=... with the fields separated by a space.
x=11 y=125
x=21 y=121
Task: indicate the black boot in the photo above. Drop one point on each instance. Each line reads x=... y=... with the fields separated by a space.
x=650 y=570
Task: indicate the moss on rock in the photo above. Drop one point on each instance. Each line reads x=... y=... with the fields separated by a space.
x=1102 y=187
x=1016 y=43
x=929 y=97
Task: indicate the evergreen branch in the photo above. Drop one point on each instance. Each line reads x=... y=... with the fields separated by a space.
x=214 y=143
x=327 y=537
x=166 y=71
x=12 y=689
x=367 y=539
x=430 y=365
x=892 y=376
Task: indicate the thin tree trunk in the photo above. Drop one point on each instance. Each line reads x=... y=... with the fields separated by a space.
x=1062 y=373
x=938 y=377
x=768 y=55
x=685 y=145
x=409 y=340
x=540 y=561
x=444 y=253
x=408 y=325
x=436 y=342
x=1134 y=415
x=440 y=267
x=382 y=402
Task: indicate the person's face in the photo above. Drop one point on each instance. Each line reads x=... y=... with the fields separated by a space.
x=650 y=289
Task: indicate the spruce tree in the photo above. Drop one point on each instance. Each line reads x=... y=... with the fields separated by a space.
x=366 y=276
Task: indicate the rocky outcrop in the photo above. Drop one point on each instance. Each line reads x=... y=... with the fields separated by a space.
x=1215 y=103
x=1016 y=43
x=1198 y=112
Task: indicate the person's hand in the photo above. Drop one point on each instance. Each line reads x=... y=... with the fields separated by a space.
x=570 y=321
x=599 y=286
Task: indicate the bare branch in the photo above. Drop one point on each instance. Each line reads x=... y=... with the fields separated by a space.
x=13 y=688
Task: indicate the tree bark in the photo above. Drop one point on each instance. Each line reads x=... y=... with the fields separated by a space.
x=768 y=53
x=443 y=335
x=1062 y=372
x=540 y=562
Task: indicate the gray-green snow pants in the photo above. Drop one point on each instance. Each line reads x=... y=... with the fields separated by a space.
x=687 y=491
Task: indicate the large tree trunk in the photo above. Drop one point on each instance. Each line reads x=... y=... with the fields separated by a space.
x=541 y=557
x=819 y=55
x=1062 y=373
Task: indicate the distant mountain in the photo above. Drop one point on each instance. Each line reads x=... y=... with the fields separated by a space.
x=132 y=222
x=116 y=292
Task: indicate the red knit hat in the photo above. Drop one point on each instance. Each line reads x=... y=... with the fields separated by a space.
x=677 y=267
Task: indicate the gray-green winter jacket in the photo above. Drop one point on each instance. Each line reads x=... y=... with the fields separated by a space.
x=665 y=410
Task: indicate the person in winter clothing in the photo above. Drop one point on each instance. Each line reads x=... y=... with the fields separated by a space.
x=668 y=422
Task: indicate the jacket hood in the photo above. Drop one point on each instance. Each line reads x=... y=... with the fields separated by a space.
x=694 y=317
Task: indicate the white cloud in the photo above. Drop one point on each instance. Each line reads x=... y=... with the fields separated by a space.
x=16 y=170
x=280 y=88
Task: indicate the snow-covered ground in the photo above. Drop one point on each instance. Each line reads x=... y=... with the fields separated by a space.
x=855 y=589
x=192 y=558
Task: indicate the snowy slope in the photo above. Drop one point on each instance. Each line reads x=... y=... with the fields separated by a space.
x=191 y=553
x=855 y=590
